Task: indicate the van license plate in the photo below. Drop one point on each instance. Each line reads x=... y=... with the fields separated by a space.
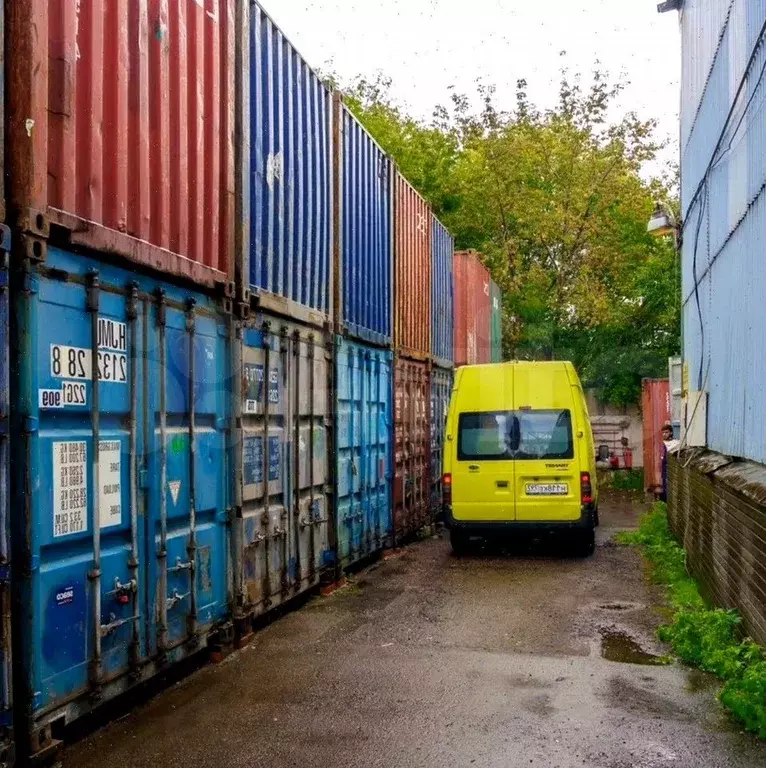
x=547 y=489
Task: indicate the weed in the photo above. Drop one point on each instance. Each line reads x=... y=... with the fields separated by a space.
x=706 y=637
x=627 y=480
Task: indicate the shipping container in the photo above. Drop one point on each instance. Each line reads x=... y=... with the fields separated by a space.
x=120 y=487
x=290 y=196
x=442 y=321
x=363 y=432
x=412 y=259
x=655 y=407
x=282 y=401
x=6 y=668
x=363 y=232
x=441 y=390
x=412 y=451
x=496 y=323
x=675 y=371
x=121 y=120
x=472 y=309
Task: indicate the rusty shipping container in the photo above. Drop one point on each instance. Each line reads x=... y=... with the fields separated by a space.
x=472 y=309
x=655 y=406
x=412 y=448
x=121 y=119
x=412 y=259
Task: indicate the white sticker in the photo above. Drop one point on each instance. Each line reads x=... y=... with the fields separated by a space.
x=175 y=489
x=75 y=363
x=72 y=393
x=251 y=406
x=110 y=478
x=70 y=488
x=112 y=335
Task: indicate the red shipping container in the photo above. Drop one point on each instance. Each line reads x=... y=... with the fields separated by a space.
x=472 y=309
x=655 y=407
x=412 y=258
x=412 y=448
x=121 y=120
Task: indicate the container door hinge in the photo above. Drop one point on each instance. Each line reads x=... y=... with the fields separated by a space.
x=143 y=479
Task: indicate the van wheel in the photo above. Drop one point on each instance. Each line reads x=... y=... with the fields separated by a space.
x=596 y=518
x=460 y=543
x=585 y=543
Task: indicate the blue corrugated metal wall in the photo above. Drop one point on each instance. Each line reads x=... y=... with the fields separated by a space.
x=121 y=491
x=364 y=424
x=442 y=337
x=724 y=202
x=441 y=390
x=366 y=230
x=290 y=173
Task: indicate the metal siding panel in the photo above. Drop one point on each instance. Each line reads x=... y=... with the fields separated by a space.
x=186 y=357
x=90 y=82
x=441 y=390
x=364 y=428
x=281 y=537
x=442 y=311
x=365 y=251
x=472 y=310
x=496 y=323
x=412 y=257
x=412 y=452
x=655 y=407
x=291 y=176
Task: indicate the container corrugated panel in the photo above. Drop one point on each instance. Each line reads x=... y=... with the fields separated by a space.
x=441 y=390
x=472 y=309
x=412 y=259
x=6 y=669
x=364 y=430
x=412 y=451
x=121 y=486
x=121 y=119
x=442 y=311
x=496 y=323
x=365 y=232
x=281 y=538
x=655 y=408
x=290 y=127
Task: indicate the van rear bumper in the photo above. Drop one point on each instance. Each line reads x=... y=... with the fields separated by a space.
x=478 y=527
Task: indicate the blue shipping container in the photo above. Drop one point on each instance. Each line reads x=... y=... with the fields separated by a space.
x=6 y=669
x=364 y=424
x=442 y=337
x=365 y=229
x=121 y=487
x=289 y=116
x=281 y=538
x=441 y=390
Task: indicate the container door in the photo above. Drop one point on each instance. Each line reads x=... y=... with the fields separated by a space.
x=441 y=385
x=188 y=468
x=543 y=443
x=83 y=385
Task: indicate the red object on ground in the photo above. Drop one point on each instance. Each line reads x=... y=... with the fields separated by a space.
x=655 y=406
x=121 y=123
x=627 y=456
x=471 y=282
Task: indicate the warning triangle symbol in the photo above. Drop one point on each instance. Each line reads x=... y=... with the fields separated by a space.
x=175 y=488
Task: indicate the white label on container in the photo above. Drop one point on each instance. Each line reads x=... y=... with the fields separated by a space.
x=109 y=477
x=112 y=335
x=72 y=393
x=175 y=489
x=75 y=363
x=70 y=488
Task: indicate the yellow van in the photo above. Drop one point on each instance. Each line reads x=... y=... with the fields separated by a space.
x=519 y=454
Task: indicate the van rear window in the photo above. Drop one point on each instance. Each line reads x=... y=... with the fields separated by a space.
x=515 y=435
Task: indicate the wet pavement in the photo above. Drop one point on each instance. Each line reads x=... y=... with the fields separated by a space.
x=521 y=658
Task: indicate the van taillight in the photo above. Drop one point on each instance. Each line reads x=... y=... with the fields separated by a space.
x=447 y=489
x=586 y=489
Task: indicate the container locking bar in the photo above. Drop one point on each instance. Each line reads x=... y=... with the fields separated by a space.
x=191 y=547
x=297 y=458
x=266 y=519
x=162 y=554
x=284 y=343
x=312 y=511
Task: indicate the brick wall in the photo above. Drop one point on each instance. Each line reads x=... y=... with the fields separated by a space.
x=717 y=509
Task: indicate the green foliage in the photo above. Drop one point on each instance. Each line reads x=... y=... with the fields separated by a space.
x=555 y=202
x=706 y=637
x=627 y=480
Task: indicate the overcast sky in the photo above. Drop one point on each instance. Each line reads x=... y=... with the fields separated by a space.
x=427 y=45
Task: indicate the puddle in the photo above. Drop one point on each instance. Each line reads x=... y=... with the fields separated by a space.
x=617 y=645
x=619 y=605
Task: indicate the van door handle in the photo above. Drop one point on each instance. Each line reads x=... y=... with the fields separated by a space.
x=473 y=467
x=502 y=483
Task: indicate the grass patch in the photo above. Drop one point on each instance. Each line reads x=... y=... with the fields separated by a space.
x=627 y=479
x=709 y=638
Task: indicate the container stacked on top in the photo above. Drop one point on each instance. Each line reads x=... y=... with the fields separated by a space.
x=472 y=310
x=121 y=198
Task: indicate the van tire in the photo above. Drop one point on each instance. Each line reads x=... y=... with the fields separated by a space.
x=596 y=518
x=460 y=543
x=585 y=542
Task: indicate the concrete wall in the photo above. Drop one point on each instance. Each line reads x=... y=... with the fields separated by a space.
x=611 y=423
x=717 y=510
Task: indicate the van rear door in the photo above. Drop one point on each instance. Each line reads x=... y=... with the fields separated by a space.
x=544 y=445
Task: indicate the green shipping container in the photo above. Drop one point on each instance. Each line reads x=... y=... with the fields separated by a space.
x=496 y=323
